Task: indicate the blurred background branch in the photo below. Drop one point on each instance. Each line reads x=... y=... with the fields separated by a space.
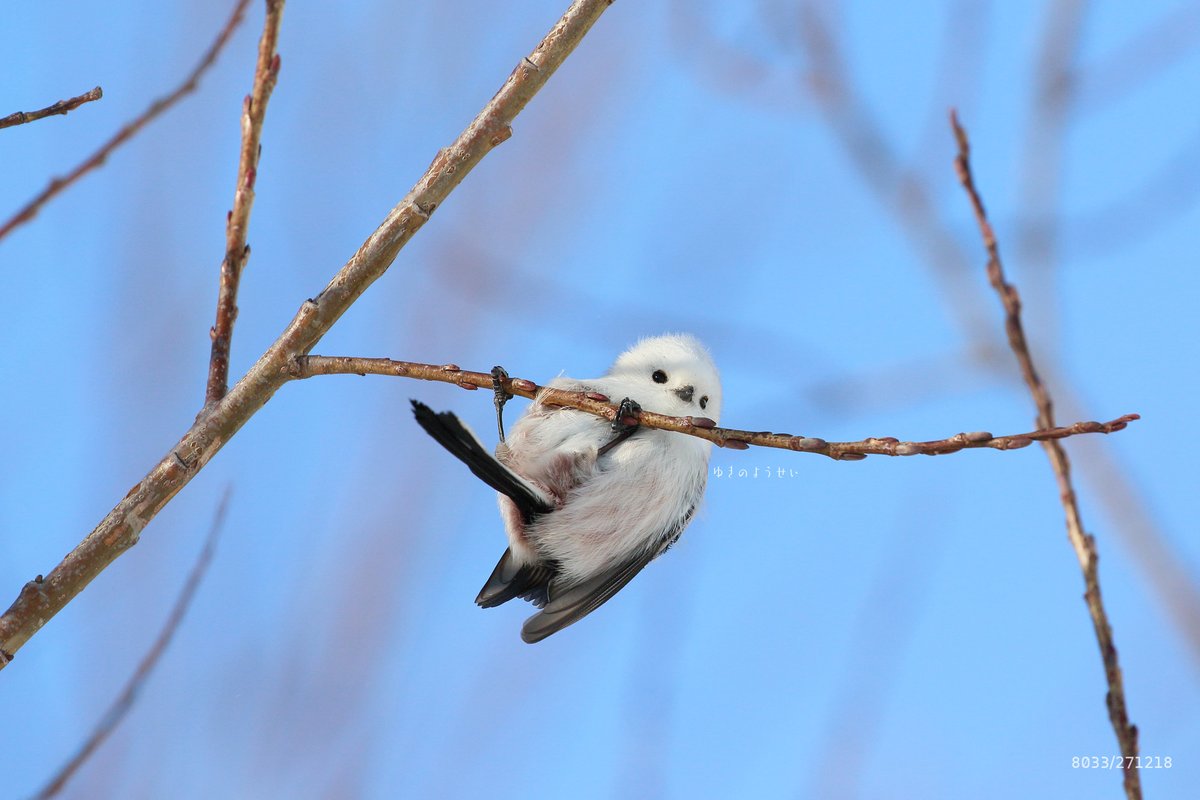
x=133 y=687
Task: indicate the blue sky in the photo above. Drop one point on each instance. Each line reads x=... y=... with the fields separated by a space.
x=886 y=628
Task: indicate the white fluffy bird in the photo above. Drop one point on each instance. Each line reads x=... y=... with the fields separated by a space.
x=587 y=503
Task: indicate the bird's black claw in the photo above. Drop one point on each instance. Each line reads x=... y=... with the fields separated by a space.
x=626 y=418
x=499 y=376
x=624 y=424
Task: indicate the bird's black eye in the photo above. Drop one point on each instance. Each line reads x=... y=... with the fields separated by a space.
x=659 y=376
x=704 y=401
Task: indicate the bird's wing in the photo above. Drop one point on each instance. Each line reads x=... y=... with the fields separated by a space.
x=572 y=604
x=510 y=579
x=452 y=434
x=568 y=606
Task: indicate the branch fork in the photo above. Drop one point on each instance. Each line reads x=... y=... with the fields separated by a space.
x=226 y=412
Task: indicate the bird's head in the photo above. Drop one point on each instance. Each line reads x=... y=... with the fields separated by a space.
x=672 y=374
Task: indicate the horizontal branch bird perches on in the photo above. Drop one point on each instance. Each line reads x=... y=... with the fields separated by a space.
x=704 y=428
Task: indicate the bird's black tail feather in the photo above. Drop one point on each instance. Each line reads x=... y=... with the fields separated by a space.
x=452 y=434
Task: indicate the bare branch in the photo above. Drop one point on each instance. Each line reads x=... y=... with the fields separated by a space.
x=132 y=128
x=1163 y=196
x=1083 y=543
x=120 y=707
x=701 y=427
x=42 y=598
x=61 y=107
x=254 y=109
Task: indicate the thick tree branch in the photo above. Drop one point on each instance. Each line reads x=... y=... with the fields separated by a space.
x=702 y=427
x=131 y=129
x=1082 y=542
x=61 y=107
x=254 y=110
x=120 y=707
x=42 y=598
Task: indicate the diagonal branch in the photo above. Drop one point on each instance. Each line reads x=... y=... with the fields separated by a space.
x=254 y=109
x=61 y=107
x=1083 y=543
x=701 y=427
x=131 y=129
x=42 y=598
x=120 y=707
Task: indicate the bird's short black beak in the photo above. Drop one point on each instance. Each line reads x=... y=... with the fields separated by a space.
x=685 y=393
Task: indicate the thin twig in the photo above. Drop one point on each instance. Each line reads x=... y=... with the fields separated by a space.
x=61 y=107
x=131 y=129
x=702 y=427
x=120 y=707
x=254 y=110
x=1083 y=543
x=42 y=598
